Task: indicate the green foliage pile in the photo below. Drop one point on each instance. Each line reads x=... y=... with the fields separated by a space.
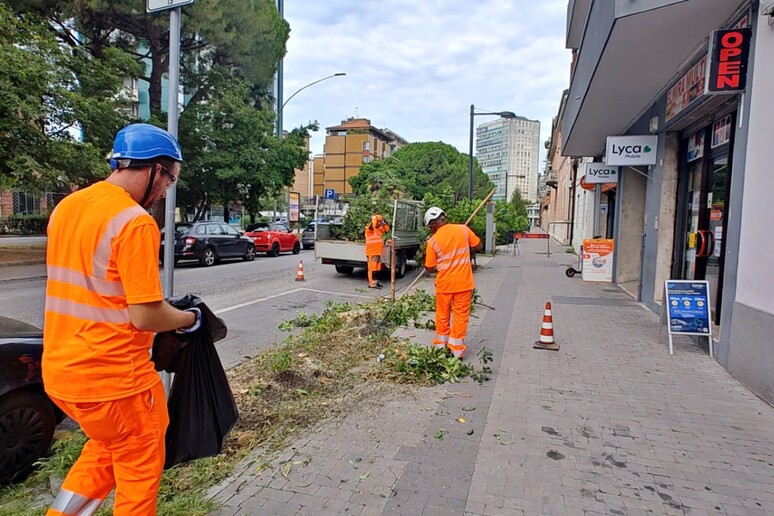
x=359 y=214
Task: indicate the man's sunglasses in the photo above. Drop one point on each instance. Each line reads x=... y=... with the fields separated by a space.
x=172 y=177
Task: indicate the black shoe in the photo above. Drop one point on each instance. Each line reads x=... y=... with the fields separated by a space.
x=378 y=285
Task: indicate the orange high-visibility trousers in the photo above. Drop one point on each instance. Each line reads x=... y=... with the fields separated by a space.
x=125 y=450
x=374 y=265
x=452 y=312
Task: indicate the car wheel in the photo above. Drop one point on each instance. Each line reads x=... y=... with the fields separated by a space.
x=275 y=250
x=309 y=246
x=344 y=269
x=27 y=422
x=249 y=254
x=208 y=257
x=296 y=248
x=400 y=266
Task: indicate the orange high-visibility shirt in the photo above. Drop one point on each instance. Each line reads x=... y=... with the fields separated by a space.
x=373 y=236
x=448 y=250
x=102 y=255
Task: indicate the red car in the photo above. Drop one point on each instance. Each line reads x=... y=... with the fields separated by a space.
x=273 y=238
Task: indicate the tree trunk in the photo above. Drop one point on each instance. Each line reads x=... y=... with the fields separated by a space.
x=154 y=90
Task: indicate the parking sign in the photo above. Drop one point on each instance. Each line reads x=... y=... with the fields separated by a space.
x=330 y=193
x=152 y=6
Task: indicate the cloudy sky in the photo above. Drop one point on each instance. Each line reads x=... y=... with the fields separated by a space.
x=415 y=67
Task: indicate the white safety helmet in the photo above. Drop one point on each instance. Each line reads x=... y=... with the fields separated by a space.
x=432 y=214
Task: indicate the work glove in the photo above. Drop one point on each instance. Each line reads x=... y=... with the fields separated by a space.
x=196 y=325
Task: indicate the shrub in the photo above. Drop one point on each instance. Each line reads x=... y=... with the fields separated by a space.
x=24 y=224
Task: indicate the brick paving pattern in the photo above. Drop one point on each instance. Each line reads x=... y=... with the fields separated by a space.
x=609 y=424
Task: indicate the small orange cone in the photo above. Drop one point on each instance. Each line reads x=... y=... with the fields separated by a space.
x=300 y=273
x=546 y=340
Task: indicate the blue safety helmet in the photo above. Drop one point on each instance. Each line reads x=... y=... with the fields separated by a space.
x=143 y=143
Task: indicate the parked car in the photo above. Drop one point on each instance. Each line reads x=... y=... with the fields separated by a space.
x=307 y=236
x=27 y=416
x=209 y=242
x=273 y=238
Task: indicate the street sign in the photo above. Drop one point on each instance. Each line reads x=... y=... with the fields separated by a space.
x=330 y=193
x=687 y=305
x=153 y=6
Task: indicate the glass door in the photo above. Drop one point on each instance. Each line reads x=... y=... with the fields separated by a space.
x=693 y=267
x=712 y=237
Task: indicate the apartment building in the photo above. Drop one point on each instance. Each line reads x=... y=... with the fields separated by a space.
x=347 y=147
x=508 y=150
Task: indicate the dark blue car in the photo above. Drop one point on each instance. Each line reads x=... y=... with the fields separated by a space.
x=27 y=416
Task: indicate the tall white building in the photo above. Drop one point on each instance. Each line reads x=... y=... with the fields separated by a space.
x=508 y=150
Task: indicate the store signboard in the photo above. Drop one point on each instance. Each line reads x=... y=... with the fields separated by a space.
x=686 y=90
x=729 y=52
x=601 y=173
x=294 y=206
x=598 y=260
x=631 y=150
x=688 y=309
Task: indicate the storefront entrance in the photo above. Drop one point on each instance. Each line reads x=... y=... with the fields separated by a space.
x=705 y=182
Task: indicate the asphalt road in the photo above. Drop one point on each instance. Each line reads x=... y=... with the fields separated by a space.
x=252 y=297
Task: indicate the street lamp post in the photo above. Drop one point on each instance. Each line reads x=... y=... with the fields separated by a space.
x=503 y=114
x=282 y=107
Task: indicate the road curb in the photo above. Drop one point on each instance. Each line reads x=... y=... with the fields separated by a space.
x=23 y=262
x=25 y=278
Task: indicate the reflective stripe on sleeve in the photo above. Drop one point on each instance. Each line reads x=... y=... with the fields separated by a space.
x=96 y=285
x=86 y=312
x=114 y=227
x=70 y=503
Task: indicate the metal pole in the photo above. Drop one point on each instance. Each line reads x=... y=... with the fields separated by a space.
x=171 y=196
x=172 y=116
x=280 y=77
x=470 y=157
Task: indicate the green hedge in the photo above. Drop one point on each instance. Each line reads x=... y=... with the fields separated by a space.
x=24 y=225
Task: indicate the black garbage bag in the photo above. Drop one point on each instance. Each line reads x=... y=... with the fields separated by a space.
x=201 y=406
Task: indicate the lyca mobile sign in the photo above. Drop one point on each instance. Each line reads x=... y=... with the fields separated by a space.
x=631 y=150
x=601 y=173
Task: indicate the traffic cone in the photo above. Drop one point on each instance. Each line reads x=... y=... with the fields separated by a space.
x=546 y=340
x=300 y=273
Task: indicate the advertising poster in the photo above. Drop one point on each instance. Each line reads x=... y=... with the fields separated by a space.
x=688 y=307
x=721 y=131
x=598 y=260
x=294 y=206
x=686 y=90
x=696 y=146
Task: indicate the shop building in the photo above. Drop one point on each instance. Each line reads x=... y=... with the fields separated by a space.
x=698 y=75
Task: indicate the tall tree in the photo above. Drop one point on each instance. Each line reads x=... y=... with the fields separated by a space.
x=248 y=35
x=419 y=168
x=231 y=153
x=59 y=108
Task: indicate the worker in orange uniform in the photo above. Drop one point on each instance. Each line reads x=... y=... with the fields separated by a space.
x=448 y=254
x=374 y=232
x=103 y=304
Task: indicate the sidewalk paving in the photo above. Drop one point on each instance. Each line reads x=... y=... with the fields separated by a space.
x=609 y=424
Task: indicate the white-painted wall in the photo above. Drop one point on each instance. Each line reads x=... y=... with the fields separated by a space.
x=755 y=276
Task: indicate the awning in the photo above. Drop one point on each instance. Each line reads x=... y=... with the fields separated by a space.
x=629 y=52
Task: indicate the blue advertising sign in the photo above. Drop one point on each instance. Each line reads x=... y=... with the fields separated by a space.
x=688 y=308
x=330 y=193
